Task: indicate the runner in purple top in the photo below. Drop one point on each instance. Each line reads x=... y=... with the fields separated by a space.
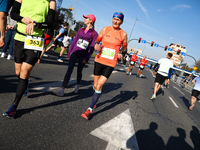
x=81 y=49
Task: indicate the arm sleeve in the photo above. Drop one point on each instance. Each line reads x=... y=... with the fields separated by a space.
x=170 y=72
x=91 y=47
x=155 y=66
x=16 y=11
x=49 y=21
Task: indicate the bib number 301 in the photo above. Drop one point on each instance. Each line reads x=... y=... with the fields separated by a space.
x=34 y=43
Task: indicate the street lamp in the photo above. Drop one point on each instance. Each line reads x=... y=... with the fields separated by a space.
x=133 y=26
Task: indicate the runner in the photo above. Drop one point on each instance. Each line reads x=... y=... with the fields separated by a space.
x=112 y=37
x=27 y=49
x=81 y=50
x=166 y=66
x=195 y=92
x=143 y=63
x=4 y=8
x=58 y=41
x=132 y=63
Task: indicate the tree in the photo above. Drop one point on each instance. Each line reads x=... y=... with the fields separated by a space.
x=68 y=16
x=79 y=25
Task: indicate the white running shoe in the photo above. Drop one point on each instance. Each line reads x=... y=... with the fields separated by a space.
x=130 y=73
x=75 y=90
x=153 y=97
x=10 y=57
x=3 y=55
x=60 y=92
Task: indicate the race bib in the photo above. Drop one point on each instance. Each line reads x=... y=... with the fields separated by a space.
x=132 y=62
x=108 y=53
x=34 y=43
x=141 y=66
x=82 y=44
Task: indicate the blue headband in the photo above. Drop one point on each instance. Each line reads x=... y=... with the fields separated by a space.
x=119 y=15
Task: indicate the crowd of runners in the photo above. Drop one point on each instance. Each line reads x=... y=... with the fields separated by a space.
x=110 y=45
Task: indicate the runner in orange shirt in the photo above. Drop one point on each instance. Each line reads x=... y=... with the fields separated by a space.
x=134 y=59
x=112 y=38
x=143 y=62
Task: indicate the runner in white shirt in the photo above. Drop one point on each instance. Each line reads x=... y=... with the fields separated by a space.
x=195 y=92
x=166 y=66
x=67 y=42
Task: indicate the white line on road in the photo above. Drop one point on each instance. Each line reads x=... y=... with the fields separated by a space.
x=173 y=102
x=178 y=90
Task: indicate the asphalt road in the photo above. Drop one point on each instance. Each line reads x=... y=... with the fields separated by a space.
x=125 y=117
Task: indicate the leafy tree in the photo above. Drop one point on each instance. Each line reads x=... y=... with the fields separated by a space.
x=68 y=16
x=58 y=20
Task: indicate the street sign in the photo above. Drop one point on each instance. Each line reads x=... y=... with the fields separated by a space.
x=156 y=45
x=183 y=54
x=195 y=68
x=143 y=41
x=169 y=49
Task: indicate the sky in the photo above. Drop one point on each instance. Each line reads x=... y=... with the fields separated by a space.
x=161 y=21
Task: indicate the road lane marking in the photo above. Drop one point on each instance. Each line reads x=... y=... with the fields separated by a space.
x=179 y=90
x=118 y=132
x=173 y=102
x=51 y=86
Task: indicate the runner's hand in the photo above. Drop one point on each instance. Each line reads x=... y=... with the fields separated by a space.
x=97 y=47
x=29 y=28
x=120 y=56
x=27 y=20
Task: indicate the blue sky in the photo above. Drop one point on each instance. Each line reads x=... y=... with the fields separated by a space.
x=161 y=21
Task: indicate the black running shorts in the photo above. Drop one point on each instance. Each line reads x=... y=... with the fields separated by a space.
x=59 y=43
x=25 y=55
x=100 y=69
x=195 y=93
x=160 y=79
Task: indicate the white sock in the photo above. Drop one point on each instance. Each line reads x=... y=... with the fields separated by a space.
x=90 y=109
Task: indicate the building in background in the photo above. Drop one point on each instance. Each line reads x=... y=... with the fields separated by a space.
x=178 y=52
x=132 y=50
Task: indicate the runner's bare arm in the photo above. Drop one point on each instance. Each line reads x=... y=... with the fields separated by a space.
x=98 y=40
x=124 y=46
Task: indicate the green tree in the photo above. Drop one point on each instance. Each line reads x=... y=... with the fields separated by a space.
x=68 y=16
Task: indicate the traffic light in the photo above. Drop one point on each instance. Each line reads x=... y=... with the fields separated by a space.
x=166 y=48
x=152 y=43
x=139 y=40
x=178 y=52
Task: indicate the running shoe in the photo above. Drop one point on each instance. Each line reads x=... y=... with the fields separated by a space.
x=86 y=114
x=38 y=61
x=60 y=60
x=10 y=112
x=60 y=92
x=75 y=90
x=130 y=73
x=3 y=55
x=153 y=97
x=191 y=107
x=45 y=55
x=126 y=73
x=10 y=57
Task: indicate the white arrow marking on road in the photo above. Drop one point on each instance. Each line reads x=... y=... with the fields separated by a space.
x=179 y=90
x=51 y=86
x=173 y=102
x=118 y=132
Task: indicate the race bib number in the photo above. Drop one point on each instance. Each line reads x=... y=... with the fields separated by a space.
x=132 y=62
x=34 y=43
x=141 y=66
x=82 y=44
x=108 y=53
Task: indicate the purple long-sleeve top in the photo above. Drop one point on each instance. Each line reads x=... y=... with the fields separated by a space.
x=86 y=36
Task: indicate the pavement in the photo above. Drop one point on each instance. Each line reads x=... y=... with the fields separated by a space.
x=125 y=117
